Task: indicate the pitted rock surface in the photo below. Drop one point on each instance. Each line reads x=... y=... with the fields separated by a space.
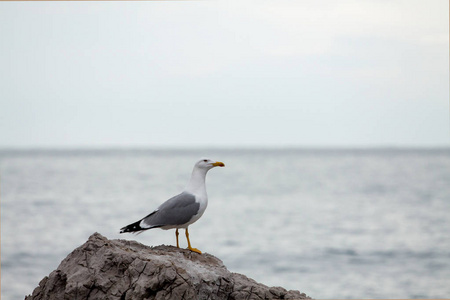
x=122 y=270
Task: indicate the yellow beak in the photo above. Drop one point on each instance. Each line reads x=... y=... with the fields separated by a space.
x=218 y=164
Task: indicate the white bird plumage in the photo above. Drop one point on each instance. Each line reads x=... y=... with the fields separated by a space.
x=183 y=209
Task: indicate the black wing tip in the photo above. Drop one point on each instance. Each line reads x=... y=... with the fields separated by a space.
x=132 y=228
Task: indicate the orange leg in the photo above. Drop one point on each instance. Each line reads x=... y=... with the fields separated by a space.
x=177 y=234
x=189 y=243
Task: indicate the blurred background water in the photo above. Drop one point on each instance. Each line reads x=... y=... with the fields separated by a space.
x=331 y=223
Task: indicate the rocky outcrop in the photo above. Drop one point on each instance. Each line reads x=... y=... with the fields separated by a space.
x=121 y=269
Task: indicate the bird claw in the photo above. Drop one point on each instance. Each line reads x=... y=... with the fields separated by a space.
x=195 y=250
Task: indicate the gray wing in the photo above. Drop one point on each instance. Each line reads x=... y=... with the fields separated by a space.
x=177 y=210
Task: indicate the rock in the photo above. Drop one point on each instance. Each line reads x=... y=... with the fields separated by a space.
x=122 y=270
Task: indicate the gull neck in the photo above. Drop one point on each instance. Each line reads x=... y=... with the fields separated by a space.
x=196 y=184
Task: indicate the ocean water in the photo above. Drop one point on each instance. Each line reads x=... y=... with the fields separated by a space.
x=330 y=223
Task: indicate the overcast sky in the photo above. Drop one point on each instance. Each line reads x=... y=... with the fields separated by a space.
x=224 y=73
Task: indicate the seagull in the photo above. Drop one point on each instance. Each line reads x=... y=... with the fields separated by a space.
x=181 y=210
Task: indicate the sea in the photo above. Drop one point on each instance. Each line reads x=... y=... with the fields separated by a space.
x=332 y=223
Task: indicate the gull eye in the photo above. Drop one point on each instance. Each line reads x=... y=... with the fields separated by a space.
x=205 y=160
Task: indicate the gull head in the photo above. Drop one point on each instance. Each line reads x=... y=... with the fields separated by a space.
x=206 y=164
x=196 y=185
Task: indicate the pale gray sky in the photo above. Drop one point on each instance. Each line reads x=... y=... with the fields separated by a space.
x=224 y=73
